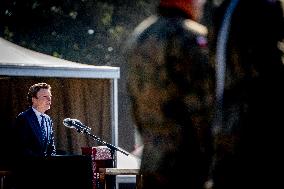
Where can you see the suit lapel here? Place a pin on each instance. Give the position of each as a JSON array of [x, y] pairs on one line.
[[35, 125]]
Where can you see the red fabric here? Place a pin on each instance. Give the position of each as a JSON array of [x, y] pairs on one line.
[[184, 5], [101, 158]]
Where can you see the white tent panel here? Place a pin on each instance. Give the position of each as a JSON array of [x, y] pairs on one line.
[[19, 61]]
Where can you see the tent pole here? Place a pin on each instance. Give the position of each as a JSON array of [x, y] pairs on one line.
[[114, 103]]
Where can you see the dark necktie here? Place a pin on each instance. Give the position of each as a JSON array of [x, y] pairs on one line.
[[42, 127]]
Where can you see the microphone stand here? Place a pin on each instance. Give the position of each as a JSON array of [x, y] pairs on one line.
[[86, 130]]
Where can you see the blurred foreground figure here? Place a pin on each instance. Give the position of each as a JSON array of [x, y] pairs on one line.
[[170, 83], [248, 138]]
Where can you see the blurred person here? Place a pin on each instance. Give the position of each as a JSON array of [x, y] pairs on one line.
[[247, 46], [33, 128], [171, 88]]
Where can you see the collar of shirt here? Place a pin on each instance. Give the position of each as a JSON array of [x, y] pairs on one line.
[[38, 114]]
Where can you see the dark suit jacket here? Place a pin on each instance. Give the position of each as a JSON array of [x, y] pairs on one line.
[[28, 137]]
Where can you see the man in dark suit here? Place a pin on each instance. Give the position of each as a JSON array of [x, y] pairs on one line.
[[33, 128], [170, 83]]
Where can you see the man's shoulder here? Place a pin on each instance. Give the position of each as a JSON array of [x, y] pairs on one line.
[[195, 27], [146, 23], [25, 113]]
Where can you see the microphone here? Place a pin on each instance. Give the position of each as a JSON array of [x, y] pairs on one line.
[[76, 124]]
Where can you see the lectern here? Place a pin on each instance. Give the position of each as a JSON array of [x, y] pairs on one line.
[[56, 172]]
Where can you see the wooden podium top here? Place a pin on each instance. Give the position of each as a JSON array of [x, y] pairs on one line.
[[119, 171]]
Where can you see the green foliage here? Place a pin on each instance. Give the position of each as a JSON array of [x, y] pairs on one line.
[[81, 31], [107, 14], [56, 54], [8, 34], [116, 32]]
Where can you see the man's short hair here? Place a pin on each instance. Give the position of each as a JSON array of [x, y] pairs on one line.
[[34, 90]]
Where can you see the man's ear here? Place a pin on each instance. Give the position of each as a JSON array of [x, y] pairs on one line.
[[33, 99]]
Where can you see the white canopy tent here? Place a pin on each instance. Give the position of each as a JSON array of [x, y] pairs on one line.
[[19, 61]]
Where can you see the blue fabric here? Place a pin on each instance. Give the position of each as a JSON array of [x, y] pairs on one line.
[[43, 127]]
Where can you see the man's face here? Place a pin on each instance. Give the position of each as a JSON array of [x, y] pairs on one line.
[[43, 101]]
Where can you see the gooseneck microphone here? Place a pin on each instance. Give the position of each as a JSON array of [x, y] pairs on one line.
[[76, 124], [81, 128]]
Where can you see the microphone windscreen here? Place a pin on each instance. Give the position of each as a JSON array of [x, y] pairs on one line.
[[67, 122], [75, 123]]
